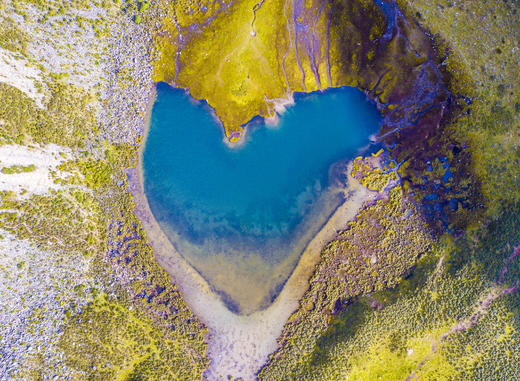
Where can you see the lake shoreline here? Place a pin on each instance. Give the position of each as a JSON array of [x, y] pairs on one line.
[[243, 217], [240, 344]]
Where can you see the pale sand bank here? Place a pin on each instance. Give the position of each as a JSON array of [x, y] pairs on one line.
[[240, 344]]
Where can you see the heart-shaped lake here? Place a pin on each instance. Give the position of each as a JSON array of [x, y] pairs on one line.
[[241, 216]]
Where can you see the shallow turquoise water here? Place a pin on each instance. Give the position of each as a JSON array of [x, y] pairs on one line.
[[212, 199]]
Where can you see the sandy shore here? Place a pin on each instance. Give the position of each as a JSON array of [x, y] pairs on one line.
[[240, 344]]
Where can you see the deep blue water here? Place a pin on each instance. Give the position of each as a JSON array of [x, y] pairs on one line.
[[210, 198]]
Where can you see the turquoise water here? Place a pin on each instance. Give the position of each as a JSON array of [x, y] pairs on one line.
[[266, 197]]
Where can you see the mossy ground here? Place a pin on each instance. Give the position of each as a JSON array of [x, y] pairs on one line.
[[242, 68], [128, 345], [483, 62], [95, 220], [129, 321], [457, 169], [394, 333], [360, 333]]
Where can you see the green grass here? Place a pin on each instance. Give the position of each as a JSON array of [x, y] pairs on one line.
[[238, 68], [12, 37], [13, 169], [109, 341], [66, 119], [484, 66], [149, 332], [371, 336]]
